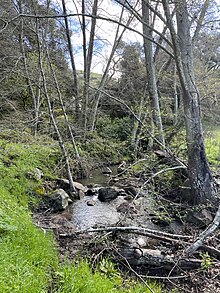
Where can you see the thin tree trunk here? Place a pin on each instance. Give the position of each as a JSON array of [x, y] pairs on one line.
[[151, 75], [176, 101], [201, 180], [74, 72], [35, 98], [137, 126], [88, 59], [200, 20], [63, 108], [50, 110], [117, 41]]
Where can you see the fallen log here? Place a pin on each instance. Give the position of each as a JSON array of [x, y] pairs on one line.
[[155, 257]]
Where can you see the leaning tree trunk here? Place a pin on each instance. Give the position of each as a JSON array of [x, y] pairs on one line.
[[50, 110], [201, 180]]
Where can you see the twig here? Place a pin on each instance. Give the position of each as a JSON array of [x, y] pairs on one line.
[[158, 173]]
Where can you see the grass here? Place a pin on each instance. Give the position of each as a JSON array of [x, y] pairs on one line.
[[80, 278], [212, 146], [28, 257]]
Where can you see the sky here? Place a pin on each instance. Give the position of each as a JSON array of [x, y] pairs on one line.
[[105, 31], [105, 34]]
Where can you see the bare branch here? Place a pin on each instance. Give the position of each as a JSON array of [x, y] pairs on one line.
[[97, 17]]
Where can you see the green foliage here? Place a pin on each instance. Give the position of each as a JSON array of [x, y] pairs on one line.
[[117, 129], [102, 149], [79, 277], [212, 147], [178, 144]]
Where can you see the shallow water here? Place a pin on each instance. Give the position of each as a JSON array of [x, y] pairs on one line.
[[97, 177], [104, 214]]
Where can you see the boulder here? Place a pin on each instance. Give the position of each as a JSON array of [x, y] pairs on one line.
[[60, 200], [80, 186], [91, 202], [35, 174], [65, 185], [92, 191], [107, 193], [200, 218]]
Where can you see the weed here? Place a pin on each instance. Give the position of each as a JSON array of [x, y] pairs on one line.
[[206, 261]]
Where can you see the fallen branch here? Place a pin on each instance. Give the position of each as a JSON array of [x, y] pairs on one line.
[[136, 230], [209, 230], [132, 270]]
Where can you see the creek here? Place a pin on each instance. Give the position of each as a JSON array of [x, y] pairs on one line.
[[119, 210], [97, 177]]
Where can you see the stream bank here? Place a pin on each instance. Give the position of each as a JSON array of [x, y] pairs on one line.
[[127, 227]]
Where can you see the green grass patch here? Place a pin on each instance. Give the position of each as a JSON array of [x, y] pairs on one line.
[[212, 147], [80, 278], [28, 256]]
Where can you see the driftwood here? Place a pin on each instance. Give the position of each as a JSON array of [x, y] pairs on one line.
[[156, 258]]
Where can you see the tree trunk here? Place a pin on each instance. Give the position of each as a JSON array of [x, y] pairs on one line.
[[35, 96], [88, 55], [51, 115], [151, 75], [70, 49], [63, 107], [201, 180], [117, 40]]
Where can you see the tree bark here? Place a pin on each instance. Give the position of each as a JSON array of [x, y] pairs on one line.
[[88, 55], [151, 75], [201, 180], [35, 95]]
